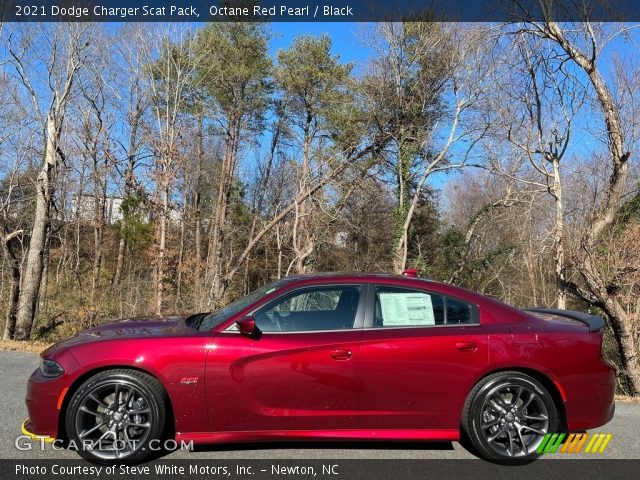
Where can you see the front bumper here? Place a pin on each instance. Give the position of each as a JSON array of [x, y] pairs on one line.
[[45, 399], [26, 425], [42, 400]]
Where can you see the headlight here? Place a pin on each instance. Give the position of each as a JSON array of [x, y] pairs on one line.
[[50, 368]]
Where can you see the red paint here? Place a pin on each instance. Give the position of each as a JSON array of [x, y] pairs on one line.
[[362, 383]]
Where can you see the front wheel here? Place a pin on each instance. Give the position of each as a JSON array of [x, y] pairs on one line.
[[114, 415], [507, 415]]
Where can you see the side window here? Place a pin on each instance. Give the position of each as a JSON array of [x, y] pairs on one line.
[[458, 312], [401, 307], [316, 308]]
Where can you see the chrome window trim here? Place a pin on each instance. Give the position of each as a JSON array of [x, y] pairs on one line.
[[451, 325], [342, 330]]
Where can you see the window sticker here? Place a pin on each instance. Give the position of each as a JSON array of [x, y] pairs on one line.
[[410, 308]]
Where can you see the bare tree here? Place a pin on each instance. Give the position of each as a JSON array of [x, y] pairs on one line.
[[534, 103], [95, 147], [233, 77], [583, 48], [350, 157], [169, 78], [313, 82], [66, 47], [133, 103], [9, 242]]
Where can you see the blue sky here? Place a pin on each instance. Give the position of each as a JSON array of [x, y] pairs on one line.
[[344, 37]]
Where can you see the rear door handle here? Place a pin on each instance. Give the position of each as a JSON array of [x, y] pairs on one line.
[[341, 354], [466, 346]]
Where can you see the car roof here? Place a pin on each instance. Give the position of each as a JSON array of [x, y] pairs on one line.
[[343, 277]]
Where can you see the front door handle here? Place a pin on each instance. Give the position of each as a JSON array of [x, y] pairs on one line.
[[341, 354], [466, 346]]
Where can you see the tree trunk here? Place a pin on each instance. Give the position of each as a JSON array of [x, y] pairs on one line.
[[128, 190], [400, 248], [622, 325], [76, 219], [280, 252], [9, 250], [32, 279], [129, 185], [60, 267], [407, 204], [162, 242], [43, 303], [178, 299], [100, 187], [198, 300], [122, 245], [303, 239], [219, 218], [558, 237]]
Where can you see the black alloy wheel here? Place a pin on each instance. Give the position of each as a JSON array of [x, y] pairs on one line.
[[507, 415], [114, 415]]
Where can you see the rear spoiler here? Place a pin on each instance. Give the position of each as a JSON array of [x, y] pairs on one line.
[[594, 322]]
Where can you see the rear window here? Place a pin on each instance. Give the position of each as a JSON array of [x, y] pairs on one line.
[[401, 307], [458, 312]]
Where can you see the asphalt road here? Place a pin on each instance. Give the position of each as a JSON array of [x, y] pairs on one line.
[[15, 367]]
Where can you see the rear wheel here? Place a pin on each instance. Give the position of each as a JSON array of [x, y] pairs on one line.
[[114, 415], [507, 415]]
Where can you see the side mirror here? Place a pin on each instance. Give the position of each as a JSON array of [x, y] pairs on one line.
[[247, 326]]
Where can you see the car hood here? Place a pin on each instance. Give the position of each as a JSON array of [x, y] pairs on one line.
[[128, 328], [139, 327]]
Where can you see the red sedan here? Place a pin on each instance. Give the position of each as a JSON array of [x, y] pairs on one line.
[[331, 356]]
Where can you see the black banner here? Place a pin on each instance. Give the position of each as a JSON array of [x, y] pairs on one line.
[[543, 469], [316, 11]]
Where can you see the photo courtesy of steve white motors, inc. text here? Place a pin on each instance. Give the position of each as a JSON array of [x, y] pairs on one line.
[[187, 12], [175, 470]]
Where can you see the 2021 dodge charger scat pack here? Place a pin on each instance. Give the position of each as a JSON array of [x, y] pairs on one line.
[[328, 356]]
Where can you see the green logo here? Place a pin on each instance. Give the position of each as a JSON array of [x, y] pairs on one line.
[[574, 442]]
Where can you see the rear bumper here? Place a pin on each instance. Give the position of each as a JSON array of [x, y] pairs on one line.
[[590, 403]]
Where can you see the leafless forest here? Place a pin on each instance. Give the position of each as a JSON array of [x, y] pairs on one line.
[[152, 169]]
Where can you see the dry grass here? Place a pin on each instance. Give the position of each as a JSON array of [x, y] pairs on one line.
[[627, 398], [28, 347]]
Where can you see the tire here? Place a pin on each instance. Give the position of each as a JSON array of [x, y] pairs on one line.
[[94, 420], [506, 416]]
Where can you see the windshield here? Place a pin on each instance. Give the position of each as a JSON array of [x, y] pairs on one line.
[[214, 319]]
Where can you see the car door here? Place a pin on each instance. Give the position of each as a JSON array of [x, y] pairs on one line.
[[299, 372], [420, 353]]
